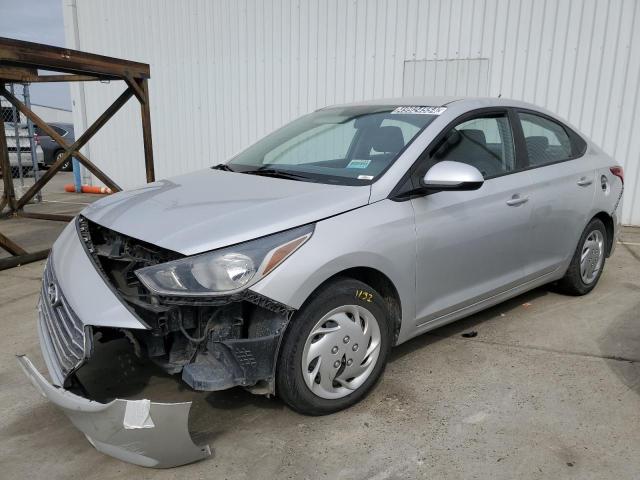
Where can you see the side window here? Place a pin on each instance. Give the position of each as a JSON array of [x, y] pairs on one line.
[[59, 131], [485, 142], [546, 141]]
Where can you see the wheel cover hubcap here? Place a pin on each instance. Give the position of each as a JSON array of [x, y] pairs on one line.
[[592, 256], [341, 351]]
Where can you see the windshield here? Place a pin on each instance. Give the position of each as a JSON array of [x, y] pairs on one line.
[[342, 145]]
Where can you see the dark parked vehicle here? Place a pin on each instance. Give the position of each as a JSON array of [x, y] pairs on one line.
[[52, 151]]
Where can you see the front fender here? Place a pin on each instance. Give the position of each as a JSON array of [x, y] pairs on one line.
[[379, 236]]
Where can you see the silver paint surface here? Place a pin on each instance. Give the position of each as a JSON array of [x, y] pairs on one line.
[[167, 444], [84, 288], [209, 209]]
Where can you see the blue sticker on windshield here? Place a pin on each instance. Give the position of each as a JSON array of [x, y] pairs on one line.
[[358, 163]]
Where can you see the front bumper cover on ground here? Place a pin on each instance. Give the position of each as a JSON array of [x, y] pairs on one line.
[[137, 431]]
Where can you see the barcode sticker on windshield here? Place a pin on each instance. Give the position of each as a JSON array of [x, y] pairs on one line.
[[420, 110]]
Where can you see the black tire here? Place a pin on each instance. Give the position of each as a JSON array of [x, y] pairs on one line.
[[290, 384], [66, 166], [572, 282]]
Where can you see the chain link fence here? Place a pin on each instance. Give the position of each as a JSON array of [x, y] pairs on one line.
[[25, 155]]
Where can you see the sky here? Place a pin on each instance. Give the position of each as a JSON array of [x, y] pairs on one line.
[[37, 21]]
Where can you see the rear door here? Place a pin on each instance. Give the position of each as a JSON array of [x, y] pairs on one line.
[[562, 190]]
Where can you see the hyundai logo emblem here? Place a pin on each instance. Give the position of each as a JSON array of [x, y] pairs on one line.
[[52, 293]]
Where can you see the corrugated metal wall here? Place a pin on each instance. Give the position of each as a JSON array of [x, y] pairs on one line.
[[224, 73]]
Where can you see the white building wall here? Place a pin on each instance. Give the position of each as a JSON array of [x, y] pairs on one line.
[[224, 73], [52, 114]]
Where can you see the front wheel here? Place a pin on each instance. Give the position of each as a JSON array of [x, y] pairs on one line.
[[588, 260], [335, 348]]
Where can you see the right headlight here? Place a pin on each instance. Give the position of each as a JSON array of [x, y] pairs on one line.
[[224, 271]]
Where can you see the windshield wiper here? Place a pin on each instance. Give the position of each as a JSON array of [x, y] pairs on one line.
[[223, 166], [272, 172]]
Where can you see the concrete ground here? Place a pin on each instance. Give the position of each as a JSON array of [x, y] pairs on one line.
[[549, 388]]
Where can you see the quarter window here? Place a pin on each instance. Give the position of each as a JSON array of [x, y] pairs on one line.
[[485, 142], [546, 141], [60, 131]]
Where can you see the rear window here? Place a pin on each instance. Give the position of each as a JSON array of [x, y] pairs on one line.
[[548, 141], [60, 131]]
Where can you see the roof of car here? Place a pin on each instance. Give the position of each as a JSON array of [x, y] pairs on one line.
[[429, 101], [435, 101], [470, 102]]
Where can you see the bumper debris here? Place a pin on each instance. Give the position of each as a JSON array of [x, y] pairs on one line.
[[137, 431]]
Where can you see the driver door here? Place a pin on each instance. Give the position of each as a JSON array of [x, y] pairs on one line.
[[471, 245]]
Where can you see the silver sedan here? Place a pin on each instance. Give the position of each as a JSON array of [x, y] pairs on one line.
[[296, 266]]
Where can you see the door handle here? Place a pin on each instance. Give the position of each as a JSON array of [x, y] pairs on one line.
[[517, 200], [585, 182]]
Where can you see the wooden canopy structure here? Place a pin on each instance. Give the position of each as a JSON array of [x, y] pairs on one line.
[[20, 62]]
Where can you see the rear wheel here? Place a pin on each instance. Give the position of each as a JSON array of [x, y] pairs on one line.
[[67, 166], [335, 348], [588, 260]]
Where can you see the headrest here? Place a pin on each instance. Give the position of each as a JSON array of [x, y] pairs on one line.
[[537, 142], [387, 139], [476, 136]]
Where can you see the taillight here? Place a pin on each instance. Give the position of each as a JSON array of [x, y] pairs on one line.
[[36, 138], [618, 172]]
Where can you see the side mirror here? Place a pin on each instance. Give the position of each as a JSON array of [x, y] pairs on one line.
[[447, 175]]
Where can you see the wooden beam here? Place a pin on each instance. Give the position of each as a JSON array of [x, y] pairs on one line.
[[146, 133], [10, 246], [17, 74], [136, 89], [11, 262], [70, 78], [47, 57], [57, 217], [70, 150], [8, 194]]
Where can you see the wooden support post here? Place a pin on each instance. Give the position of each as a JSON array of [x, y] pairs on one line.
[[22, 61], [137, 90], [146, 132], [71, 150], [9, 195], [10, 246]]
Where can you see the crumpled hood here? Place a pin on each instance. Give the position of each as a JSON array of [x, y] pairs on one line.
[[209, 209]]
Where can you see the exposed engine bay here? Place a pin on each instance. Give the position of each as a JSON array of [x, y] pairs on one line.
[[214, 342]]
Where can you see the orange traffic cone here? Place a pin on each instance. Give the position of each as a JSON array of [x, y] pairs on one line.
[[69, 187]]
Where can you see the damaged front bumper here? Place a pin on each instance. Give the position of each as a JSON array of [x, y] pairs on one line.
[[80, 308], [137, 431]]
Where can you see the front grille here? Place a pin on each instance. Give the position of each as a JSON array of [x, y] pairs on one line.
[[62, 331]]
